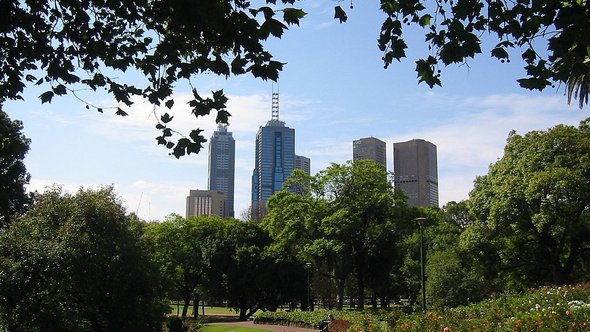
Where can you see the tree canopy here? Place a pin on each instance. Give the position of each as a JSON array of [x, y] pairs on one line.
[[551, 36], [343, 222], [76, 263], [68, 47], [532, 208], [13, 173]]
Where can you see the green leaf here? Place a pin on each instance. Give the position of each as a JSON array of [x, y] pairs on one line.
[[293, 15], [425, 20], [426, 72]]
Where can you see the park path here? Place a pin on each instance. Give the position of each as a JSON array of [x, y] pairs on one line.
[[274, 328]]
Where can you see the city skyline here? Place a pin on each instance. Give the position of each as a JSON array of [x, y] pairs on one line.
[[331, 93]]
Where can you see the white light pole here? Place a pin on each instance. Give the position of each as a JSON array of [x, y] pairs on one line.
[[308, 265]]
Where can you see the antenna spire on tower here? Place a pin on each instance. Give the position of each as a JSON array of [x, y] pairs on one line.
[[275, 103]]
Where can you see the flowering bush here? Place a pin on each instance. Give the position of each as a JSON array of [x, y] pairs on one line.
[[547, 309]]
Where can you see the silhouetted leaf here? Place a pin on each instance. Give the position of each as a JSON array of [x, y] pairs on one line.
[[121, 112], [340, 14], [169, 103], [46, 97], [292, 15], [166, 118]]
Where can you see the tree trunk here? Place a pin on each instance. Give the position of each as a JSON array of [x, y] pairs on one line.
[[340, 290], [374, 300], [186, 303], [196, 299], [243, 315], [360, 279], [384, 300]]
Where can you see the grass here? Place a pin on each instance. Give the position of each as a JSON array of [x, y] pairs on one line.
[[216, 311]]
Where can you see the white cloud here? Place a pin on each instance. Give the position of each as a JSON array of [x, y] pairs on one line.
[[473, 139]]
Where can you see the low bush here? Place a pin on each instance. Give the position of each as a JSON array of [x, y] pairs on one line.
[[546, 309]]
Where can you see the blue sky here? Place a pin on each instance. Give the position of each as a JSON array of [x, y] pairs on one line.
[[333, 90]]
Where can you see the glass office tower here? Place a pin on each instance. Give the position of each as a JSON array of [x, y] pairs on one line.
[[222, 151], [274, 160]]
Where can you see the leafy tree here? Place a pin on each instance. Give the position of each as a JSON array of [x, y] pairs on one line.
[[177, 246], [551, 36], [458, 213], [72, 46], [239, 271], [342, 222], [361, 202], [76, 263], [532, 208], [293, 223], [13, 174]]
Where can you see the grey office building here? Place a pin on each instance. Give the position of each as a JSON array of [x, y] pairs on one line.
[[222, 151], [369, 148], [303, 163], [415, 171]]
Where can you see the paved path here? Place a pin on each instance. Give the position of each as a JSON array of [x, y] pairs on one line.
[[275, 328]]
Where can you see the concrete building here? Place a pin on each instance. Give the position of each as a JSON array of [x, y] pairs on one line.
[[206, 203], [222, 168], [303, 163], [416, 172], [370, 148]]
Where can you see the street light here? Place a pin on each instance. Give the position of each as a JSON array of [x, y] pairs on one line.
[[308, 265], [421, 224]]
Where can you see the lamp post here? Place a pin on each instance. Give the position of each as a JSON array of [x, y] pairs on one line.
[[421, 224], [308, 266]]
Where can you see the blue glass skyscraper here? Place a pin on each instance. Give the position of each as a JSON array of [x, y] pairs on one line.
[[274, 160]]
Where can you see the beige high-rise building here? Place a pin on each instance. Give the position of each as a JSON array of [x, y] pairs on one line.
[[206, 203], [416, 172], [369, 148], [303, 163]]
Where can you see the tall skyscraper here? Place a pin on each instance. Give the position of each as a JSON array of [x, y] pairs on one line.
[[416, 172], [222, 152], [369, 148], [206, 203], [274, 159], [303, 163]]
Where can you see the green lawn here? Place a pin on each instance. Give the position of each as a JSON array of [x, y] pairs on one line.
[[221, 328], [208, 310]]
